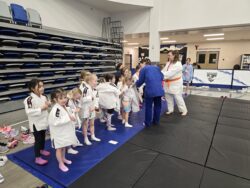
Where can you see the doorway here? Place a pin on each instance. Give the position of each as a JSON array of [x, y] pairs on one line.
[[208, 59]]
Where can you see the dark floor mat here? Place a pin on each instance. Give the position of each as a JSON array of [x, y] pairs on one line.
[[239, 123], [234, 132], [216, 179], [233, 105], [237, 109], [235, 114], [121, 169], [230, 151], [237, 101], [170, 172], [190, 142], [176, 117], [185, 121], [193, 105], [196, 111]]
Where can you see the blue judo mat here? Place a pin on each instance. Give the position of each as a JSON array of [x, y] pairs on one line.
[[87, 157]]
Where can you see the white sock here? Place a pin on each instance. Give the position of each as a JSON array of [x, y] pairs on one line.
[[110, 128], [95, 139], [87, 142], [128, 125]]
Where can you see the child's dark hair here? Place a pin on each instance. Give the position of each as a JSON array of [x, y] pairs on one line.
[[33, 83], [109, 77], [57, 93], [101, 80], [137, 67]]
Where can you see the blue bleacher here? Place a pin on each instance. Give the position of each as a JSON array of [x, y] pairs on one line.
[[70, 72], [29, 45], [14, 76], [78, 64], [19, 14], [46, 74], [68, 40], [45, 56], [3, 87], [58, 65], [78, 49], [8, 32], [18, 96], [57, 47], [42, 37], [69, 56], [30, 66], [60, 80], [12, 55]]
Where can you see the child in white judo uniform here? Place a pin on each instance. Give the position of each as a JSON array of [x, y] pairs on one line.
[[130, 100], [74, 102], [36, 108], [108, 99], [89, 103], [61, 121]]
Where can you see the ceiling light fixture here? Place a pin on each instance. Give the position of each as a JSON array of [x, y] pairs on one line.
[[134, 43], [221, 38], [169, 41], [165, 38], [214, 35]]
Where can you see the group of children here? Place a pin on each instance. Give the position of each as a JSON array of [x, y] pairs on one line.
[[78, 108]]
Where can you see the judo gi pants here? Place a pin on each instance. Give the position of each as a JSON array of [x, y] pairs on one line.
[[39, 141], [149, 111], [179, 102]]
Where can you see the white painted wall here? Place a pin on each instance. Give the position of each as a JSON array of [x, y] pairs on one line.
[[230, 52], [134, 21], [135, 55], [71, 15], [186, 14], [148, 3]]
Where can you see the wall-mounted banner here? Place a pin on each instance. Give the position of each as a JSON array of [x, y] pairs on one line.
[[212, 77], [241, 78]]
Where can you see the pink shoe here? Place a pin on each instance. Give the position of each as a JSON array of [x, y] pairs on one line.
[[45, 153], [67, 161], [40, 161], [28, 140], [63, 168]]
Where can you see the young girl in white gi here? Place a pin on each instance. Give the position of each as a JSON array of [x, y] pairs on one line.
[[36, 108], [74, 97], [136, 77], [130, 100], [84, 74], [61, 122], [108, 98], [89, 106], [125, 72], [173, 83]]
